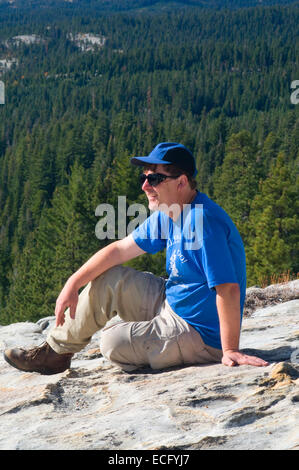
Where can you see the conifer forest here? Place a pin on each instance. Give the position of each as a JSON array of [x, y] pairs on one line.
[[90, 83]]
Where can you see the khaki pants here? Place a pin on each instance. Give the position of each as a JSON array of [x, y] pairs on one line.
[[150, 333]]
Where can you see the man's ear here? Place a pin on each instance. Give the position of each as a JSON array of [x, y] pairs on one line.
[[183, 181]]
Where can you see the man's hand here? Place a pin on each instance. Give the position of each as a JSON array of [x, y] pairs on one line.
[[235, 357], [68, 298]]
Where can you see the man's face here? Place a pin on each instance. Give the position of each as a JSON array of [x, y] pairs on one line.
[[163, 193]]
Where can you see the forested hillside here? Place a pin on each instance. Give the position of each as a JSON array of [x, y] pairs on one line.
[[85, 91], [127, 5]]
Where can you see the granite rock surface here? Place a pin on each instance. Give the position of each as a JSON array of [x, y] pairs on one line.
[[94, 405]]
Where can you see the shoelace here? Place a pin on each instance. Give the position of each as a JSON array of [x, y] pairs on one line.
[[34, 352]]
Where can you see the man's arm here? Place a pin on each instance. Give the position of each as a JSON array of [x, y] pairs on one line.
[[228, 307], [116, 253]]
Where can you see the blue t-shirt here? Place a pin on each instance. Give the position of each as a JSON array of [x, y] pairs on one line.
[[203, 249]]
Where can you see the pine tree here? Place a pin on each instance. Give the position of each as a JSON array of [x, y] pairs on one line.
[[274, 225], [62, 242], [236, 180], [74, 219]]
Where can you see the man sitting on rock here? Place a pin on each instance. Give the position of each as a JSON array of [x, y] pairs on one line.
[[193, 317]]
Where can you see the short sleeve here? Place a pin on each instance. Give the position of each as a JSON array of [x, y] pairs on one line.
[[149, 236], [216, 254]]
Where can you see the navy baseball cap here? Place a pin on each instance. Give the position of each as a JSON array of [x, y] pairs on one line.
[[167, 153]]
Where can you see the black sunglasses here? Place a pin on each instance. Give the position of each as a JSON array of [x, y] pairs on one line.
[[154, 178]]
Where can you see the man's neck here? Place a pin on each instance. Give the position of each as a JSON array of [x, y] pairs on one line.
[[188, 198], [178, 206]]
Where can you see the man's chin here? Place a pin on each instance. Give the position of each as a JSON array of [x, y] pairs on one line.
[[153, 204]]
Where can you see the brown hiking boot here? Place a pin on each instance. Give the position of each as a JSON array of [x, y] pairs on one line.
[[42, 359]]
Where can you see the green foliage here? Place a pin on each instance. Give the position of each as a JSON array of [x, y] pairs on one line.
[[274, 224], [236, 180], [59, 245]]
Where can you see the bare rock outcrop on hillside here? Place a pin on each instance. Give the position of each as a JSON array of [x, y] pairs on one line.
[[257, 297]]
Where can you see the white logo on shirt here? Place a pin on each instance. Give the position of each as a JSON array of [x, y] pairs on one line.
[[177, 254], [174, 270]]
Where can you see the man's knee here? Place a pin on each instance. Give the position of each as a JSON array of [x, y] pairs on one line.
[[111, 276]]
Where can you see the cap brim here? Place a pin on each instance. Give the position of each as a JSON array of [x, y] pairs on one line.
[[141, 161]]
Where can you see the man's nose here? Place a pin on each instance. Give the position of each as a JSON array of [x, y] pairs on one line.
[[146, 185]]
